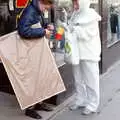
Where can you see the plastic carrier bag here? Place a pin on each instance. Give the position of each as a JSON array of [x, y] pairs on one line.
[[71, 55]]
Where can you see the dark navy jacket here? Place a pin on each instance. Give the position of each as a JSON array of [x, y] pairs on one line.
[[30, 16]]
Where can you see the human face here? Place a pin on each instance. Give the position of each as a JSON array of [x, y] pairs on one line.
[[75, 5], [47, 7], [44, 7]]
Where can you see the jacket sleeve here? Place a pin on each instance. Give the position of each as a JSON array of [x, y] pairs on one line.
[[88, 32], [24, 26]]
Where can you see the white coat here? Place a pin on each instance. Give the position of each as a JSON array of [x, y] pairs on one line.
[[84, 25]]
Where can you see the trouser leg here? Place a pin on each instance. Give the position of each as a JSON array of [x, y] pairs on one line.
[[90, 72], [80, 88]]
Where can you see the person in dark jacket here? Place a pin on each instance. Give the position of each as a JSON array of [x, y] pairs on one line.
[[114, 22], [32, 25], [32, 15]]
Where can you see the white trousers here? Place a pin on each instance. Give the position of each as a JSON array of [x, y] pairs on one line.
[[86, 76]]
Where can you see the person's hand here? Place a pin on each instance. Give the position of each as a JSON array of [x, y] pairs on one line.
[[65, 14], [48, 33], [50, 27]]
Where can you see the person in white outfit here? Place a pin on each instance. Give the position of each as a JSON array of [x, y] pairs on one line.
[[84, 24]]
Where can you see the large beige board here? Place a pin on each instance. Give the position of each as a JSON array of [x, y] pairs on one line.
[[31, 69]]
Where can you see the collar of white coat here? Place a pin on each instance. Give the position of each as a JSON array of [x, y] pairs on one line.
[[85, 14]]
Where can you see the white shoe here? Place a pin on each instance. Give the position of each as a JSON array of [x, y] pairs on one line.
[[86, 111], [75, 107]]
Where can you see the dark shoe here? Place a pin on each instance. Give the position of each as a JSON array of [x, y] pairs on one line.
[[32, 113], [43, 106]]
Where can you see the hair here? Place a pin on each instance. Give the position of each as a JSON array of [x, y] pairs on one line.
[[47, 2], [74, 0]]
